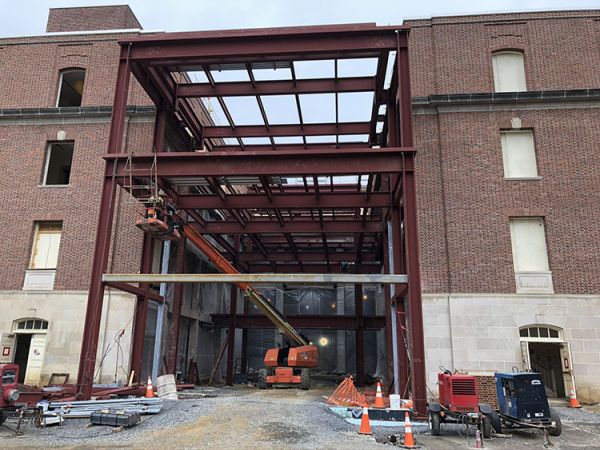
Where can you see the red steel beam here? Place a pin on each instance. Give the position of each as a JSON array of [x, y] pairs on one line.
[[285, 201], [206, 164], [359, 335], [135, 290], [348, 41], [306, 256], [331, 322], [317, 129], [332, 267], [276, 87], [295, 226], [93, 313], [289, 147], [176, 312]]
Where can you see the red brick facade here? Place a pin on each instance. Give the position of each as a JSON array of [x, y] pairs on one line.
[[464, 201], [118, 17]]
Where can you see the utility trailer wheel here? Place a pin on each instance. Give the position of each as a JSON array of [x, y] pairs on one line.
[[434, 424], [305, 376], [486, 427], [262, 379], [556, 429], [495, 421]]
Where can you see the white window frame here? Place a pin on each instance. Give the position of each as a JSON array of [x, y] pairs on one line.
[[505, 159], [531, 281], [496, 70], [60, 85], [40, 279], [47, 163]]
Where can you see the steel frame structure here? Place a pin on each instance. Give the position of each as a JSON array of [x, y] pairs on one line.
[[289, 204]]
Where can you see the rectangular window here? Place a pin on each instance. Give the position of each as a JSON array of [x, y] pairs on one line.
[[530, 257], [509, 71], [70, 87], [59, 157], [518, 154], [45, 246]]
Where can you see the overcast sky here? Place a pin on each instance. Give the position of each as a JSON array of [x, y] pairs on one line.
[[28, 17]]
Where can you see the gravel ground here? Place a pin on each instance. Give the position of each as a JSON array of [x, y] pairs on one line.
[[245, 417]]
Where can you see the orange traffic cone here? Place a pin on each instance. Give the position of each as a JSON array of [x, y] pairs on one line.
[[573, 402], [409, 440], [149, 389], [365, 425], [379, 397]]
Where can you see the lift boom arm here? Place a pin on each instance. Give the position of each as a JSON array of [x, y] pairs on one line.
[[247, 289]]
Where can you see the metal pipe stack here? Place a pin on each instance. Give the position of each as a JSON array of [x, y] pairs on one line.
[[84, 409]]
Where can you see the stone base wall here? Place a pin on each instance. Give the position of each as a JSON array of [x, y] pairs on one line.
[[65, 313], [480, 332]]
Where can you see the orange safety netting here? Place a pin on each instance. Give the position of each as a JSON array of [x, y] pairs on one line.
[[346, 394]]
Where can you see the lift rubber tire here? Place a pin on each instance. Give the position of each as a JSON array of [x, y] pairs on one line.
[[305, 383], [262, 379], [486, 427], [557, 429], [3, 417], [495, 421], [434, 424]]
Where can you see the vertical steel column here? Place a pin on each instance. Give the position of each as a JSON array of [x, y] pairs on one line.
[[415, 307], [93, 314], [160, 125], [176, 309], [232, 312], [360, 335], [160, 315], [139, 323], [388, 320], [244, 355], [397, 299]]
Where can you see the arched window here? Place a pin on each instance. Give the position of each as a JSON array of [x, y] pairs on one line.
[[542, 332], [70, 87], [509, 71], [30, 326]]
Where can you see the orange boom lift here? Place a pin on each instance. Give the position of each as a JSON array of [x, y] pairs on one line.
[[284, 366]]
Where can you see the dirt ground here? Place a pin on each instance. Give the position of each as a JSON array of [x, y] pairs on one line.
[[279, 418]]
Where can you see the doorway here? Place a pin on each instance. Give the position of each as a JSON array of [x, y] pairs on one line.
[[545, 359], [544, 351], [22, 354]]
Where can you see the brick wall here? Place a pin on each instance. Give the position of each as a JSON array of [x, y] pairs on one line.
[[452, 55], [464, 202], [119, 17], [486, 385], [31, 74]]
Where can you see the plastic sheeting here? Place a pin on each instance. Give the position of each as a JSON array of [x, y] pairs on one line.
[[337, 348]]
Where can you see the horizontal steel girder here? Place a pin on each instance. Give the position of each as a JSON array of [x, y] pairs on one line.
[[334, 267], [321, 256], [286, 201], [292, 226], [349, 41], [276, 87], [310, 162], [319, 129], [329, 322], [255, 278]]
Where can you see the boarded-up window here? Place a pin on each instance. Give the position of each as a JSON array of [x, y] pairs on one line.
[[529, 244], [509, 72], [518, 154], [46, 245]]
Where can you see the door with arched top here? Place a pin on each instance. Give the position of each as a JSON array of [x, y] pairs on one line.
[[30, 349], [544, 350]]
